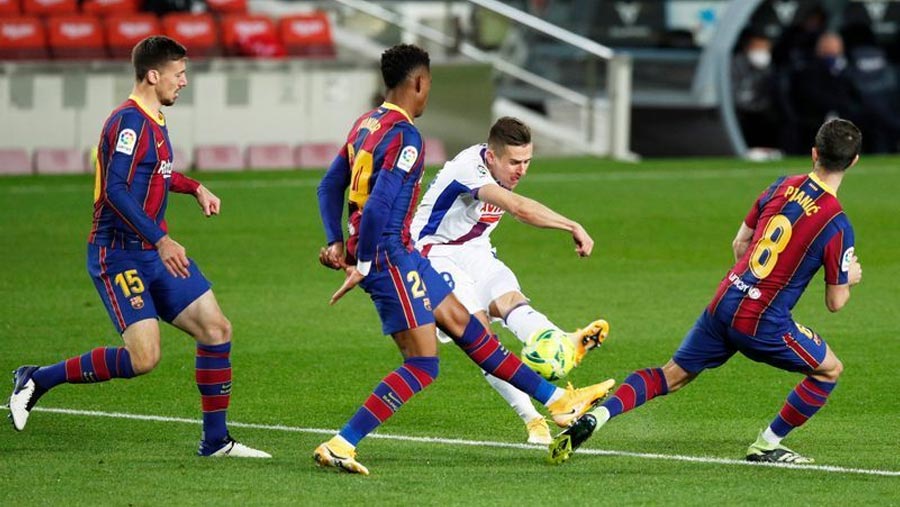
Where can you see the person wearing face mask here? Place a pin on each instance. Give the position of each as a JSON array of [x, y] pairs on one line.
[[452, 228], [824, 90], [751, 79]]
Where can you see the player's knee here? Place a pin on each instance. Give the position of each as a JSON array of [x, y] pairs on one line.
[[218, 332], [833, 373], [145, 360]]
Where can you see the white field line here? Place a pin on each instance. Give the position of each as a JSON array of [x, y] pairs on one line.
[[481, 443], [536, 177]]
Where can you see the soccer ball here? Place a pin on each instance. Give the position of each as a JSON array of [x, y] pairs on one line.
[[550, 353]]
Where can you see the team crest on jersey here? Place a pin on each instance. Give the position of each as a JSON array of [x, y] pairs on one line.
[[847, 259], [137, 302], [407, 159], [126, 142]]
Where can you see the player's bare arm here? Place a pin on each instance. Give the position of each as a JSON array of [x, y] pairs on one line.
[[352, 280], [741, 241], [836, 296], [173, 256], [208, 201], [534, 213]]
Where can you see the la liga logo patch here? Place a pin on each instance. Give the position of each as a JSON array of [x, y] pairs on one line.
[[407, 158], [126, 142]]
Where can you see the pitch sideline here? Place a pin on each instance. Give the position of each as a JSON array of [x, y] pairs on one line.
[[480, 443]]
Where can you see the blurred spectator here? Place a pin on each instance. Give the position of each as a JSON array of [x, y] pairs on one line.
[[797, 43], [876, 84], [751, 81], [823, 90]]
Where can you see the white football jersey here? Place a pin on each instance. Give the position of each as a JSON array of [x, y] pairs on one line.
[[450, 212]]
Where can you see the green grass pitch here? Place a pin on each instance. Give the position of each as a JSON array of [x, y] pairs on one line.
[[663, 231]]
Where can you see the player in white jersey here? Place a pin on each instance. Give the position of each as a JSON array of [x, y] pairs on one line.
[[452, 227]]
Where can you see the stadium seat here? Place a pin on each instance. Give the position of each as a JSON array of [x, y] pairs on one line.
[[227, 6], [59, 161], [14, 161], [181, 159], [435, 153], [269, 156], [75, 37], [50, 7], [250, 35], [196, 31], [123, 32], [315, 155], [9, 8], [110, 7], [218, 158], [22, 38], [307, 35]]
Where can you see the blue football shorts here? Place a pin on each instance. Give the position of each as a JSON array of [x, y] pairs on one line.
[[710, 343], [405, 291], [135, 285]]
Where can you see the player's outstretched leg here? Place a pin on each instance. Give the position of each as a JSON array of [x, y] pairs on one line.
[[564, 405], [804, 401], [639, 388], [31, 382], [389, 395], [524, 321]]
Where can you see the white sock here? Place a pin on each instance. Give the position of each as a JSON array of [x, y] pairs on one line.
[[519, 401], [524, 321], [555, 396], [602, 415], [770, 437]]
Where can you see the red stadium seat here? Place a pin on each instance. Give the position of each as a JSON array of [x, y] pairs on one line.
[[9, 8], [197, 32], [227, 6], [76, 37], [270, 156], [14, 161], [123, 32], [22, 39], [110, 7], [435, 153], [307, 35], [59, 161], [50, 7], [218, 158], [250, 35], [315, 155]]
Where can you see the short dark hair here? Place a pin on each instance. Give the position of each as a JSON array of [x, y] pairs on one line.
[[837, 143], [153, 52], [398, 62], [508, 131]]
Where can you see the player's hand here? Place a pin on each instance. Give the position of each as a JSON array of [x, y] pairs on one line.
[[854, 275], [332, 256], [173, 256], [583, 242], [209, 203], [352, 280]]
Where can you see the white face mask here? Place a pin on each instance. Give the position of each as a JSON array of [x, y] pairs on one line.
[[759, 58]]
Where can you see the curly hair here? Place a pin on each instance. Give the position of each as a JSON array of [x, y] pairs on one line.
[[398, 62]]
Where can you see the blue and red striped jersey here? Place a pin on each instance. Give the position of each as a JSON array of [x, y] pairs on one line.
[[382, 163], [133, 178], [799, 226]]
